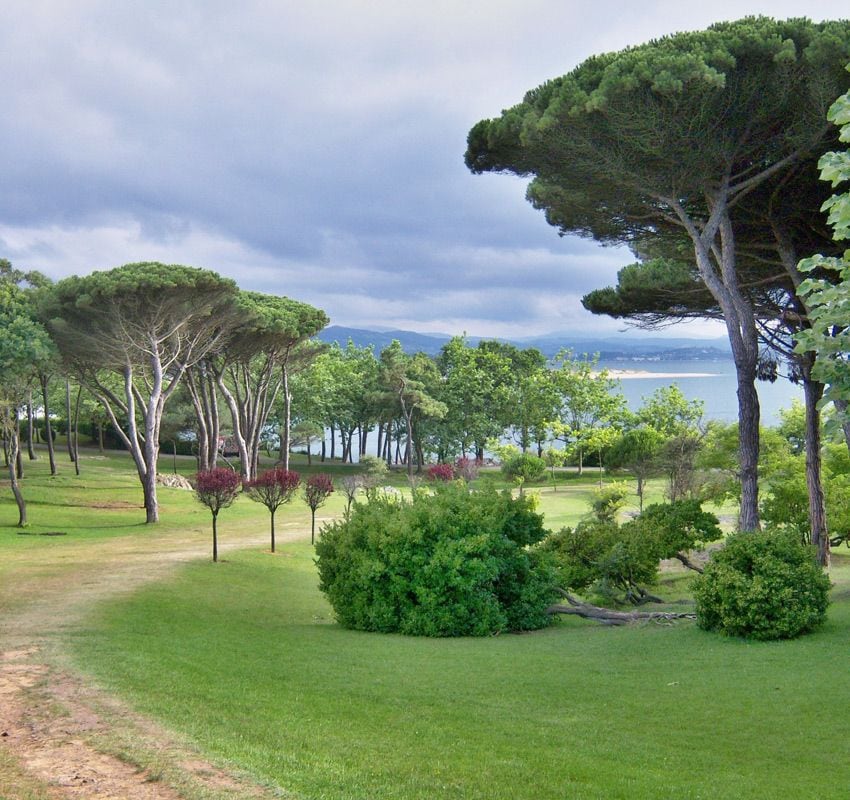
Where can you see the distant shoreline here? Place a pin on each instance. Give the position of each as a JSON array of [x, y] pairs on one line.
[[630, 374]]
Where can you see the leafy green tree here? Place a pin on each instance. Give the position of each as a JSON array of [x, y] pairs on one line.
[[588, 400], [24, 345], [405, 381], [470, 377], [639, 451], [673, 136], [145, 324], [524, 468], [679, 421], [826, 291], [339, 390]]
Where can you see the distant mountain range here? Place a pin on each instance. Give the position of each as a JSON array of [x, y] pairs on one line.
[[625, 347]]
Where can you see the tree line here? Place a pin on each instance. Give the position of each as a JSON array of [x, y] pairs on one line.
[[133, 337]]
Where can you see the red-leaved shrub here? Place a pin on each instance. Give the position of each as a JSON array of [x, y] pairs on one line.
[[216, 489], [440, 472], [273, 488]]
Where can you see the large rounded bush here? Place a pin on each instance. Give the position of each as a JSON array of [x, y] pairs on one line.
[[451, 563], [762, 586]]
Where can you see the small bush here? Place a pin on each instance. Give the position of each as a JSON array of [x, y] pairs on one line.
[[374, 469], [453, 563], [440, 472], [608, 501], [762, 586], [524, 468]]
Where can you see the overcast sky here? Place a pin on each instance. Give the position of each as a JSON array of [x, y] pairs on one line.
[[312, 149]]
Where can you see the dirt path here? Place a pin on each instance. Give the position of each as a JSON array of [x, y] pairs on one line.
[[61, 738]]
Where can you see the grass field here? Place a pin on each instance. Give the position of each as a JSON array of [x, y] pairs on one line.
[[244, 658]]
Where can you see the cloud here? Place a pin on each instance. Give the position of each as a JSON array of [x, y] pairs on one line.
[[313, 149]]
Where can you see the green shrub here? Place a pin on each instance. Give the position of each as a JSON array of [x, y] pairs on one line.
[[762, 586], [452, 563], [524, 468], [608, 501], [679, 526], [619, 561]]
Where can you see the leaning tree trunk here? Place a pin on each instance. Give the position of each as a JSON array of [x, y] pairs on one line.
[[11, 447], [286, 428], [69, 445], [51, 454], [717, 267], [76, 451], [30, 426]]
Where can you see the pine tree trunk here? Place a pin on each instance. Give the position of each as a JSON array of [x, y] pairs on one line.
[[748, 448], [19, 461], [69, 446], [51, 454], [813, 392], [30, 425], [11, 447]]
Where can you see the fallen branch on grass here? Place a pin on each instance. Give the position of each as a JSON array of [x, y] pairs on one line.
[[608, 616]]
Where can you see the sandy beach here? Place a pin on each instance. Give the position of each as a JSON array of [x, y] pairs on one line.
[[630, 374]]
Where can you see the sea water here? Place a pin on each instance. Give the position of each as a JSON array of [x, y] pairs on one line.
[[715, 386]]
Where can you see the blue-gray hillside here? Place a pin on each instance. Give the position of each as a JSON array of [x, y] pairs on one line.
[[625, 347]]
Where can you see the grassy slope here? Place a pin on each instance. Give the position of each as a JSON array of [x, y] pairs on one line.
[[245, 658]]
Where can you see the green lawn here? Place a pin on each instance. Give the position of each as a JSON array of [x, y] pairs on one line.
[[245, 658]]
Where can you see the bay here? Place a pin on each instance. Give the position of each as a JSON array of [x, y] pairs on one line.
[[713, 382]]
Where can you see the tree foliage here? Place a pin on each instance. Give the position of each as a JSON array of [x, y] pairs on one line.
[[826, 291], [144, 324]]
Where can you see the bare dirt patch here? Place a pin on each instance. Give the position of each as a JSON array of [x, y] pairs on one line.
[[68, 738]]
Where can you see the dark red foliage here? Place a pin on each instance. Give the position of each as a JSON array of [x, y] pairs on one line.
[[440, 472], [317, 489], [274, 487], [217, 488]]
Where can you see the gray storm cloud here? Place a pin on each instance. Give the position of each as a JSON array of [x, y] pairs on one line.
[[307, 149]]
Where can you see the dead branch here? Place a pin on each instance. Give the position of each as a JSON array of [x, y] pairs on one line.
[[607, 616]]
